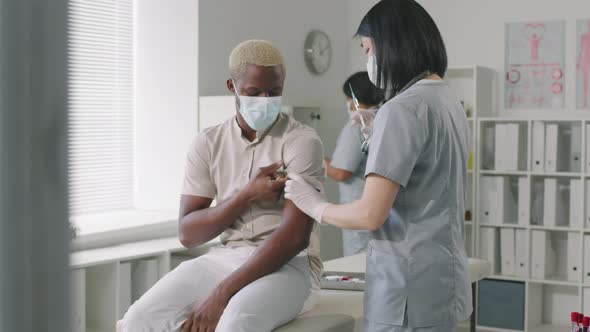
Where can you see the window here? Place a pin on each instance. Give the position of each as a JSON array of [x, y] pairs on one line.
[[101, 105]]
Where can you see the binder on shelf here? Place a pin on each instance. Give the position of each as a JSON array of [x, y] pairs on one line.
[[588, 148], [586, 300], [487, 148], [522, 253], [537, 202], [576, 207], [555, 204], [538, 147], [587, 204], [542, 255], [513, 144], [487, 197], [551, 140], [587, 260], [507, 251], [524, 199], [573, 257], [550, 203], [488, 247], [575, 160], [500, 148], [505, 202]]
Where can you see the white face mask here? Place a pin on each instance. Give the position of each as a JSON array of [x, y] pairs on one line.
[[349, 107], [372, 70], [259, 112]]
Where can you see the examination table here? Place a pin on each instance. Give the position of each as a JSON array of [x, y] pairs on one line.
[[342, 310]]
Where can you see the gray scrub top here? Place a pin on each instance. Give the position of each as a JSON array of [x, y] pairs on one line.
[[417, 261], [348, 156]]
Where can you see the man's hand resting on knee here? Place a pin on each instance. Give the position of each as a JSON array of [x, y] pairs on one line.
[[205, 316]]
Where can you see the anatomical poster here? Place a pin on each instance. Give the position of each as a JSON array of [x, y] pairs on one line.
[[583, 64], [535, 65]]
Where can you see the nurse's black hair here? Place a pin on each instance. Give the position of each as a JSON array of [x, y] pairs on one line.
[[407, 42], [365, 91]]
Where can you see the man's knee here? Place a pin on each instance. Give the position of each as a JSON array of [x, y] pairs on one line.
[[238, 317]]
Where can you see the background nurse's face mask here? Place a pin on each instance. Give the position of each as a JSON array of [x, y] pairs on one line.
[[259, 112]]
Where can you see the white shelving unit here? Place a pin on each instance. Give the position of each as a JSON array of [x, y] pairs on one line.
[[106, 281], [533, 219], [471, 85]]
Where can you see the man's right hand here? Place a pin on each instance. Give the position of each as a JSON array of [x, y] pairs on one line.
[[267, 185]]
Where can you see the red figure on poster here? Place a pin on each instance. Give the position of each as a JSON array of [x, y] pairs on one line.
[[534, 34]]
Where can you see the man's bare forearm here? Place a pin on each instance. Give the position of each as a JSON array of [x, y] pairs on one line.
[[201, 226], [281, 247]]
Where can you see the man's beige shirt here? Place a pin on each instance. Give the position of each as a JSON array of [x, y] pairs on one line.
[[221, 162]]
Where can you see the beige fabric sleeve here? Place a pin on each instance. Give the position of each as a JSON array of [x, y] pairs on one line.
[[304, 154], [197, 179]]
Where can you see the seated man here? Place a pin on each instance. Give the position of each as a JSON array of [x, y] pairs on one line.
[[267, 271]]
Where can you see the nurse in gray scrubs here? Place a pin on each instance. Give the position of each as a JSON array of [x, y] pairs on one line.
[[417, 274], [347, 165]]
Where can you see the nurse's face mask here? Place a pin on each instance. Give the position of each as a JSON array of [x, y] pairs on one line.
[[372, 70], [259, 112]]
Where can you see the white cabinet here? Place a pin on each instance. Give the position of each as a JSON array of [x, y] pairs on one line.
[[545, 243], [214, 110]]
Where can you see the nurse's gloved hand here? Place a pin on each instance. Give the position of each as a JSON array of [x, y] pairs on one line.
[[308, 199]]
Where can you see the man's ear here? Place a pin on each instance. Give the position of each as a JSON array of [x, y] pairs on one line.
[[230, 86]]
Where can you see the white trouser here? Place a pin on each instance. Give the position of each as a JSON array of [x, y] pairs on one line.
[[261, 306]]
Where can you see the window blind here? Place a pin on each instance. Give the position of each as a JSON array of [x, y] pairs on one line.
[[101, 105]]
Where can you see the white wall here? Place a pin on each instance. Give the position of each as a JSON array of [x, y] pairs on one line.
[[474, 32], [167, 96], [357, 9]]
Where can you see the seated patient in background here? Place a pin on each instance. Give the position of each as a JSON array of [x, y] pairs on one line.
[[267, 271]]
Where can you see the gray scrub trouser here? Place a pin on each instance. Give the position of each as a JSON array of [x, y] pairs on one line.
[[376, 327]]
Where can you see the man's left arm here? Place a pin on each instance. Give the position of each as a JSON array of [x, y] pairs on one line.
[[305, 155]]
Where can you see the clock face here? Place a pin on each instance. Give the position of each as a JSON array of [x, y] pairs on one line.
[[318, 52]]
